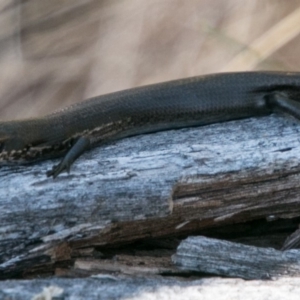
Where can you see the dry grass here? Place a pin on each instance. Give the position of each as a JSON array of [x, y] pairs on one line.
[[54, 53]]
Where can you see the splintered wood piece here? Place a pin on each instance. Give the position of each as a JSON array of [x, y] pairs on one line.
[[229, 259]]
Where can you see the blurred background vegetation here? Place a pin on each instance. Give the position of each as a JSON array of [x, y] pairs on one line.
[[58, 52]]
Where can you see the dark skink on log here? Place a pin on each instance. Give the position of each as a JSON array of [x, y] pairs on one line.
[[175, 104]]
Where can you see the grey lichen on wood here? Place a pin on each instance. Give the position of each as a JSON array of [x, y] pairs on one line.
[[153, 185]]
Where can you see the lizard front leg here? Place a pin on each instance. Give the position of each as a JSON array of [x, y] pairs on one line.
[[81, 145]]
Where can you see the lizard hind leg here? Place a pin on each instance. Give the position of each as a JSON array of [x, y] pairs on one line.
[[284, 102], [80, 146]]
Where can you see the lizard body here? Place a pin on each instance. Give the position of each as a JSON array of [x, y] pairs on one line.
[[175, 104]]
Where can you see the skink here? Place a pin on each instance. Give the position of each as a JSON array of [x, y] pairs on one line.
[[180, 103]]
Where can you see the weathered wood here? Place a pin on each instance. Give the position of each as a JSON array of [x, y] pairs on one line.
[[118, 287], [156, 185], [292, 241], [235, 260]]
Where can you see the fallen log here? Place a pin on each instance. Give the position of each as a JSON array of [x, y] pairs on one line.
[[158, 185]]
